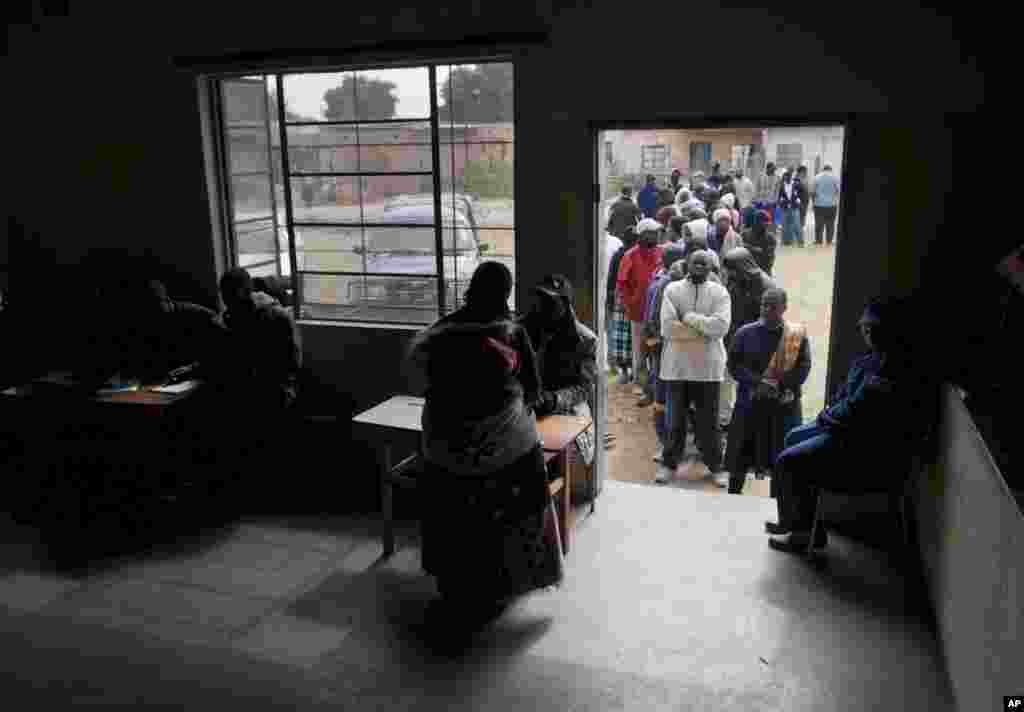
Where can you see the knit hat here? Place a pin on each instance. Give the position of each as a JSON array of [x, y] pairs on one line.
[[648, 225]]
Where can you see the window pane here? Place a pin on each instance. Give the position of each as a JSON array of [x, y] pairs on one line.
[[334, 93], [324, 149], [370, 298], [247, 149], [256, 238], [497, 244], [393, 94], [381, 192], [251, 194], [325, 199], [395, 147], [245, 102], [401, 250], [475, 94], [268, 270], [331, 249]]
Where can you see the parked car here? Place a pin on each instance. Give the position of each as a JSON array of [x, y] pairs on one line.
[[406, 250]]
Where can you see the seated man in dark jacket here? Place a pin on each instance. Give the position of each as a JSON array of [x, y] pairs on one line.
[[882, 412], [566, 356], [261, 357], [152, 335]]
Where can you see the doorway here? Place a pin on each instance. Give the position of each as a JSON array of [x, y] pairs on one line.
[[806, 273]]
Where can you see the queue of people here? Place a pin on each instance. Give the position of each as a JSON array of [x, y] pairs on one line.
[[693, 300]]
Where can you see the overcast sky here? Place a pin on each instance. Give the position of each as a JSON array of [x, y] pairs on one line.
[[305, 92]]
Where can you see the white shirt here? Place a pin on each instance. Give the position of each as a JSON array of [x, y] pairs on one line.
[[744, 191], [612, 245], [694, 320]]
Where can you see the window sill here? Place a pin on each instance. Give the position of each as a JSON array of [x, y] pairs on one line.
[[376, 325]]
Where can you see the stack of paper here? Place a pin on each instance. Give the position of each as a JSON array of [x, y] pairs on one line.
[[182, 387]]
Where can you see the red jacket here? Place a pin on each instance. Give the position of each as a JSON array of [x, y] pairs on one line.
[[635, 273]]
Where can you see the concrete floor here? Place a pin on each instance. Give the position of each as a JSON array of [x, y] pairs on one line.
[[672, 601]]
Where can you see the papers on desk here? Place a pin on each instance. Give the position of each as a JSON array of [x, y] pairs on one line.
[[116, 384], [183, 387]]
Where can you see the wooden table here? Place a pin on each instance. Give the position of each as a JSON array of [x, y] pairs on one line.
[[125, 428], [404, 413]]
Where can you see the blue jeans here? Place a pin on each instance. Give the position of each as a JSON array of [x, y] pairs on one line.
[[791, 226]]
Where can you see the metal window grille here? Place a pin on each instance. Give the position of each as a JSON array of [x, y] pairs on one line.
[[366, 198]]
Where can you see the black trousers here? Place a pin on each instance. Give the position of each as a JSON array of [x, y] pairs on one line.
[[704, 397], [824, 220]]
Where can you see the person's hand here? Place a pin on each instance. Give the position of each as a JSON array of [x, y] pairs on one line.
[[546, 403]]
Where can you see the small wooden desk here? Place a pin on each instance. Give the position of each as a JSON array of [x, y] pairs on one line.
[[404, 413]]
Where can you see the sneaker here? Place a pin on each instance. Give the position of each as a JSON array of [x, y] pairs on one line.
[[721, 479], [644, 402], [662, 475]]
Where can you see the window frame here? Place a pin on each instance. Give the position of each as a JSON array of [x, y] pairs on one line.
[[646, 165], [445, 283]]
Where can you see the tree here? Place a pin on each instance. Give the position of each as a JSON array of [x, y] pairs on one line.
[[376, 100], [478, 94]]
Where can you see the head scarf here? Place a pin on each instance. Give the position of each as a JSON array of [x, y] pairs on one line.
[[729, 200], [488, 292], [740, 260], [722, 213], [698, 228]]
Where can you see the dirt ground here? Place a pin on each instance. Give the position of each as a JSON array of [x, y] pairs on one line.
[[807, 276]]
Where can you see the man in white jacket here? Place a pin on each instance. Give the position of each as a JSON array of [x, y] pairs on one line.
[[695, 316]]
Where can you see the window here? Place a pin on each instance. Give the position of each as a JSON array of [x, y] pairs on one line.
[[654, 158], [400, 182], [700, 157], [789, 155]]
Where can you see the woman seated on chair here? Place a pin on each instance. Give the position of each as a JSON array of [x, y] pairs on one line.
[[488, 530], [876, 418]]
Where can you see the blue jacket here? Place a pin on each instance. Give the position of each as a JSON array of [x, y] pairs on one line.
[[647, 199], [751, 352], [884, 402]]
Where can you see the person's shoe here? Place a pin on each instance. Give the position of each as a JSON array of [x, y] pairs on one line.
[[721, 479], [644, 402], [623, 378], [662, 475], [775, 528], [659, 454], [638, 391]]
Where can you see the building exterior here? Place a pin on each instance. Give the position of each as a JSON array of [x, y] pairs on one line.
[[635, 153], [628, 156], [811, 146]]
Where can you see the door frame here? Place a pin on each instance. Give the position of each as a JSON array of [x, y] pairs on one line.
[[593, 229]]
